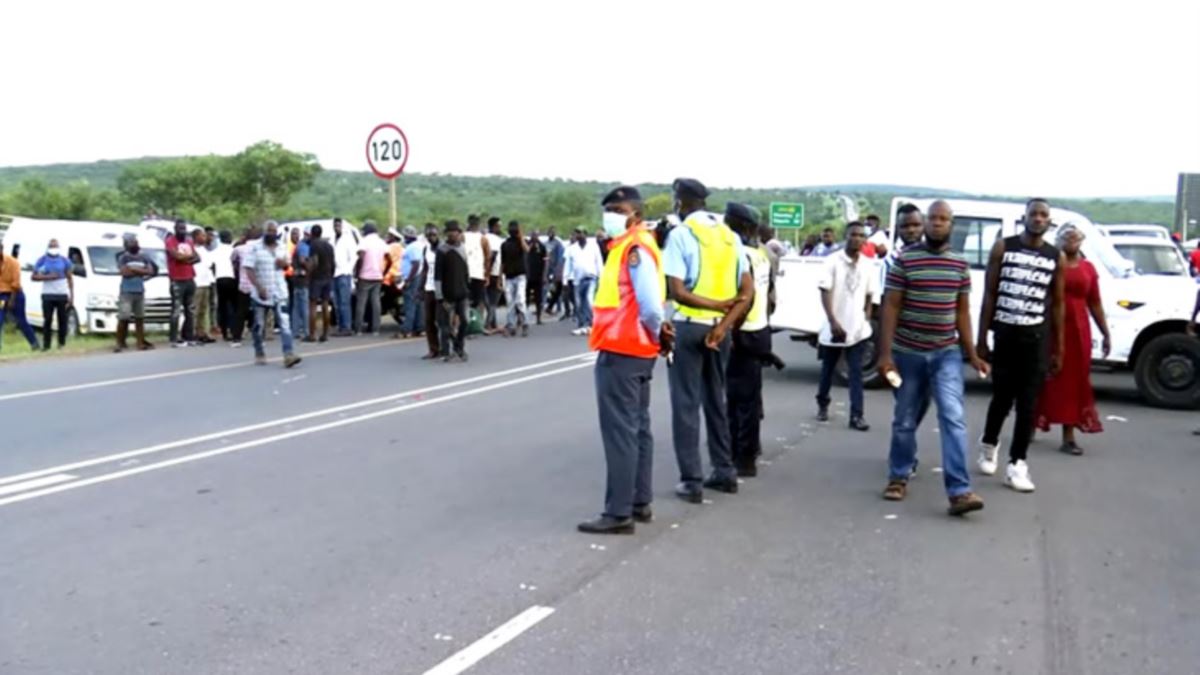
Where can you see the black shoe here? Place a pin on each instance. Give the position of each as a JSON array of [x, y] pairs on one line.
[[823, 414], [689, 493], [607, 525], [858, 424], [747, 469], [462, 356], [727, 485], [643, 514]]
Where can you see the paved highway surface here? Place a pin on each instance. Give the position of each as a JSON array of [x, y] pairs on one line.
[[368, 512]]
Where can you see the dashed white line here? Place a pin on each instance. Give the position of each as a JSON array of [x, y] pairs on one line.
[[481, 648]]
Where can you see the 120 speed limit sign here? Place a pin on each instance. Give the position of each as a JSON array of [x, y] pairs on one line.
[[387, 151]]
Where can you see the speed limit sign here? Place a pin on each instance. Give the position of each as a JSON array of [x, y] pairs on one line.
[[387, 151]]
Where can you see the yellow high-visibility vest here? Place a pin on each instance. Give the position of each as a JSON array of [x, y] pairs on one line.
[[760, 269], [717, 279]]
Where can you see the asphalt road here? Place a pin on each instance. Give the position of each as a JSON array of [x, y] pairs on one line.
[[185, 512]]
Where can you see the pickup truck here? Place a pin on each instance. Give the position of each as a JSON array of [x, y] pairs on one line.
[[1147, 315]]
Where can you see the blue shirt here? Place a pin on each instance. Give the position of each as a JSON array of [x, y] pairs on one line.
[[414, 254], [60, 267], [681, 258], [643, 274]]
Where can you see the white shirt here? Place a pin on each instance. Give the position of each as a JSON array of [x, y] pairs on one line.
[[430, 259], [204, 268], [473, 245], [495, 241], [584, 261], [852, 283], [345, 255], [223, 259], [880, 238]]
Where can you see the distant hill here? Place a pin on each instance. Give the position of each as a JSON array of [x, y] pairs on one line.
[[539, 202]]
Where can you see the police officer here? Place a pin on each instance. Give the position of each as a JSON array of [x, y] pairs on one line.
[[751, 347], [629, 331], [711, 289]]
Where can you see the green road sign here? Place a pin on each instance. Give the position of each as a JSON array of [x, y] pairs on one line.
[[785, 215]]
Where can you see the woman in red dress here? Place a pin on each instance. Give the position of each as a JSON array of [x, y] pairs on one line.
[[1067, 398]]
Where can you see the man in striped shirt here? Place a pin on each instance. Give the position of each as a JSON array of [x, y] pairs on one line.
[[926, 331]]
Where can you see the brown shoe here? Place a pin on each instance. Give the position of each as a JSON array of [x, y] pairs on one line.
[[895, 491], [964, 504]]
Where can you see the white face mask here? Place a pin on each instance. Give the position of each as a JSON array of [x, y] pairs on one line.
[[614, 223], [54, 251]]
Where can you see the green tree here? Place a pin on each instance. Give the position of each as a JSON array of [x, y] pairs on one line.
[[265, 175], [569, 207]]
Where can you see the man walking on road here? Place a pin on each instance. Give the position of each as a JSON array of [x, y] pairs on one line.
[[495, 282], [452, 289], [263, 267], [322, 256], [206, 277], [227, 287], [584, 263], [429, 290], [373, 259], [629, 333], [512, 264], [479, 254], [535, 275], [924, 335], [751, 347], [12, 299], [848, 287], [345, 258], [181, 260], [1023, 308], [555, 260], [301, 265], [706, 277], [135, 268]]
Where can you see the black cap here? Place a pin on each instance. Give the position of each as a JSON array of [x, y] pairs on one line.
[[453, 226], [690, 188], [624, 193], [741, 212]]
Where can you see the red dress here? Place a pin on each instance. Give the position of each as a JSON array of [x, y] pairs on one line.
[[1068, 398]]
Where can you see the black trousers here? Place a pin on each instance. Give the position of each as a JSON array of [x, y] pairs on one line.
[[242, 316], [623, 401], [431, 323], [227, 305], [448, 311], [536, 291], [743, 394], [54, 306], [1018, 371]]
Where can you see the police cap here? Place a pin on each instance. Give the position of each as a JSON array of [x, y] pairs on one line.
[[690, 188], [624, 193], [742, 213]]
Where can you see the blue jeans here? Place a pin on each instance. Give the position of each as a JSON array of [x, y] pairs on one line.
[[300, 311], [583, 302], [413, 316], [829, 360], [281, 322], [936, 374], [342, 288], [14, 304]]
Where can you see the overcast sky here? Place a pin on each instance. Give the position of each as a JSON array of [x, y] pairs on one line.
[[1046, 97]]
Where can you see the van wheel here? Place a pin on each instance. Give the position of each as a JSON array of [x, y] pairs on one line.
[[1168, 372], [870, 372]]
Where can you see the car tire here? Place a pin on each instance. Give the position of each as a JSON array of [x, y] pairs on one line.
[[1167, 372], [871, 378]]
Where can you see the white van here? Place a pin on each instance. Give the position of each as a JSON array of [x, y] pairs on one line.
[[1147, 314], [93, 249], [1132, 230]]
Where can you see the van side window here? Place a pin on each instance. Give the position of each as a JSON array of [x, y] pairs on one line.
[[76, 258], [974, 238]]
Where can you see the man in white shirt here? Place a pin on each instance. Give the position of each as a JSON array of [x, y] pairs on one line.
[[584, 262], [345, 257], [877, 239], [478, 253], [227, 289], [495, 285], [849, 286], [205, 278]]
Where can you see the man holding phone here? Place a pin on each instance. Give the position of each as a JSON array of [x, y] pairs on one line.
[[849, 287]]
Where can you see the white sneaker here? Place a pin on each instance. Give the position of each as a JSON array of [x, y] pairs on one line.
[[577, 331], [587, 331], [988, 455], [1016, 476]]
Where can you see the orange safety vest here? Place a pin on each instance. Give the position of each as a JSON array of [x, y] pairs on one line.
[[616, 326]]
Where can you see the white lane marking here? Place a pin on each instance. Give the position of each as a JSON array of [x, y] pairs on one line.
[[36, 483], [481, 648], [82, 464], [180, 373], [104, 478]]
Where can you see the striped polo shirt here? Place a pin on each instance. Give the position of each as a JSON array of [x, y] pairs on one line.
[[931, 282]]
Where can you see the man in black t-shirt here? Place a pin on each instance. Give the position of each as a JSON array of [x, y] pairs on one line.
[[536, 261], [512, 263], [451, 288], [320, 282]]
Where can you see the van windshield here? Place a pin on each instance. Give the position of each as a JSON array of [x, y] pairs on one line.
[[104, 259], [1150, 259]]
